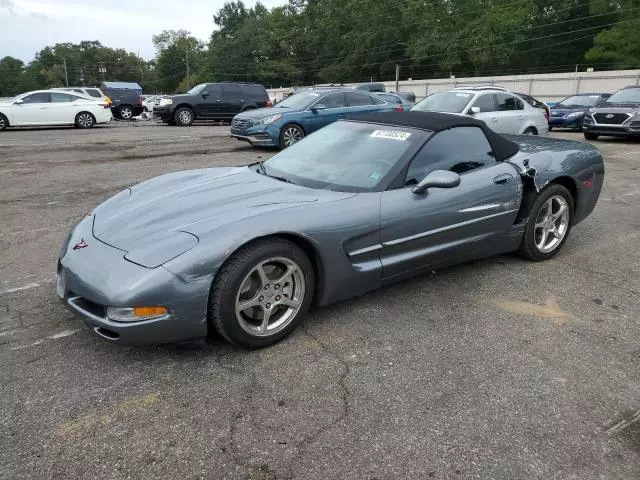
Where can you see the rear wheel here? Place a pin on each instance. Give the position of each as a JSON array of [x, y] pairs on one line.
[[261, 293], [549, 223], [85, 120], [4, 122], [183, 117], [125, 112], [590, 136], [290, 135], [530, 131]]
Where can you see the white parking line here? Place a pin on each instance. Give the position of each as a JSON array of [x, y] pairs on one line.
[[25, 287], [63, 334]]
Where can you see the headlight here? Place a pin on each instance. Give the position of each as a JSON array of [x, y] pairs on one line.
[[135, 314], [271, 119], [575, 115], [166, 101]]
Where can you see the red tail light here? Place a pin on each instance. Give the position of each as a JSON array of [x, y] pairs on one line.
[[399, 108], [268, 104], [139, 100], [106, 105]]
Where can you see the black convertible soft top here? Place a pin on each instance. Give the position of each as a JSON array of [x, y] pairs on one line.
[[436, 122]]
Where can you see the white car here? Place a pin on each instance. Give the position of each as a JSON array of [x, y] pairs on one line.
[[501, 110], [148, 103], [51, 107]]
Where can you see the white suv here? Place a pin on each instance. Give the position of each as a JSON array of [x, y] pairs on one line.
[[501, 110]]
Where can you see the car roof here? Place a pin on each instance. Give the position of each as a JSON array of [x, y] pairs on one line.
[[436, 122], [586, 94], [630, 86]]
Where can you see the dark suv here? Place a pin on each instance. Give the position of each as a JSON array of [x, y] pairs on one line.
[[210, 101], [617, 116]]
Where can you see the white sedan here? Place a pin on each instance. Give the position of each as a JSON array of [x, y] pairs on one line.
[[47, 107]]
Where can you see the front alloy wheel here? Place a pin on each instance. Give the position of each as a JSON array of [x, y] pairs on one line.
[[291, 134], [549, 223], [84, 120], [261, 293], [3, 122]]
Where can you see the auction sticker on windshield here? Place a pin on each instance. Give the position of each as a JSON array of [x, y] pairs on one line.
[[392, 134]]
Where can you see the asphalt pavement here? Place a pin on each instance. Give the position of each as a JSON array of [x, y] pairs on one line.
[[498, 369]]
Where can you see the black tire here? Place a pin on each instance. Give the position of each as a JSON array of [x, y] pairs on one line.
[[4, 122], [145, 109], [590, 136], [550, 128], [528, 248], [530, 131], [183, 117], [125, 112], [85, 120], [290, 130], [233, 275]]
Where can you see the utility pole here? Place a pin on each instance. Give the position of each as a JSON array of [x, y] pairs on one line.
[[140, 65], [187, 60], [102, 69], [82, 76], [397, 77], [66, 77]]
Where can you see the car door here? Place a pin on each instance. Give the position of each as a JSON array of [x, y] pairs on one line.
[[444, 226], [510, 117], [209, 103], [325, 110], [32, 109], [486, 103], [232, 100], [62, 108], [359, 102]]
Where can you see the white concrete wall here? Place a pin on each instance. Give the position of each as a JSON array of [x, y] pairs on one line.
[[547, 87]]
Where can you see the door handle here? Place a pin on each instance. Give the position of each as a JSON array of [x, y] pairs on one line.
[[217, 99], [520, 117], [43, 108], [503, 179], [494, 119]]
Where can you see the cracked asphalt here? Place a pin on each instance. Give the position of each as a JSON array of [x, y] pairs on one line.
[[498, 369]]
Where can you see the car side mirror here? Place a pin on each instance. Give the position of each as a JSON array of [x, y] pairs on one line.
[[437, 179], [19, 101], [317, 107], [205, 94], [474, 110]]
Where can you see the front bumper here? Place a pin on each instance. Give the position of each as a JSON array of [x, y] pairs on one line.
[[565, 122], [267, 135], [96, 276], [163, 113], [628, 129]]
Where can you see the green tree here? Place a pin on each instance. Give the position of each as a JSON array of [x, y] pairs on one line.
[[11, 76], [174, 49]]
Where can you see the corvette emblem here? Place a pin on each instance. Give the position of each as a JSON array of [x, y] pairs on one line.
[[609, 115], [80, 244]]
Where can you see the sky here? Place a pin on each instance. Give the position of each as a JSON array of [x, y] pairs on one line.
[[27, 26]]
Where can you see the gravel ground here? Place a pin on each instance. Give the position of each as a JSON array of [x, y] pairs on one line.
[[499, 369]]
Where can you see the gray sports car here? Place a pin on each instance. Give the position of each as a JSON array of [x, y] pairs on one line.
[[245, 251]]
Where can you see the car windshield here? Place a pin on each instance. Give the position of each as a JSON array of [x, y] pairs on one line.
[[197, 89], [450, 102], [579, 101], [299, 100], [628, 95], [344, 156]]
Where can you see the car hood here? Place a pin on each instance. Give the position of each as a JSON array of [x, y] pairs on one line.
[[166, 216], [557, 111], [257, 113]]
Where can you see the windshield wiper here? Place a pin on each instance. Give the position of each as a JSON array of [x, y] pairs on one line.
[[263, 171]]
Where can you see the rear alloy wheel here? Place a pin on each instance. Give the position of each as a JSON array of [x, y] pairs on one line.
[[290, 135], [85, 120], [590, 136], [530, 131], [4, 123], [549, 223], [125, 112], [183, 117], [261, 293]]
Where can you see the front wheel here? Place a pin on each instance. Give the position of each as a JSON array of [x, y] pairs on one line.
[[4, 123], [290, 135], [549, 223], [183, 117], [590, 136], [530, 131], [261, 293], [85, 120]]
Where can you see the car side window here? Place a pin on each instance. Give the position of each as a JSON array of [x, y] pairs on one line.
[[214, 91], [519, 104], [459, 149], [333, 100], [356, 99], [232, 91], [94, 92], [40, 97], [57, 97], [505, 102], [486, 103]]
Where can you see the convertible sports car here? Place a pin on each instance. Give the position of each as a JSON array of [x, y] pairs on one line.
[[363, 202]]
